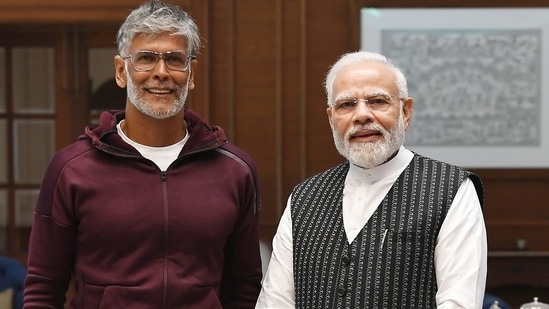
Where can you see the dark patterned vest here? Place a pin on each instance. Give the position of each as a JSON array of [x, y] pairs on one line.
[[390, 264]]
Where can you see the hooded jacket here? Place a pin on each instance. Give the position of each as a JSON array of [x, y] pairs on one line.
[[135, 237]]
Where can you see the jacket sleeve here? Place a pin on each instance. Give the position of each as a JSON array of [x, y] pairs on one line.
[[242, 274], [51, 244]]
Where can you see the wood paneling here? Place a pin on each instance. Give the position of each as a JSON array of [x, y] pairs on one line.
[[516, 212]]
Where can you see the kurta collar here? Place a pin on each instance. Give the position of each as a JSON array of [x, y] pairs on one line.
[[389, 169]]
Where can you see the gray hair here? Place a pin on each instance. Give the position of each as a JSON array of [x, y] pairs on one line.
[[155, 17], [363, 57]]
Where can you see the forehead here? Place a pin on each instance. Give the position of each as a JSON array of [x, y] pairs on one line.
[[162, 42], [365, 78]]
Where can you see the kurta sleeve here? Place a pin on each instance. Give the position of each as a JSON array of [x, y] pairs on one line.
[[278, 285]]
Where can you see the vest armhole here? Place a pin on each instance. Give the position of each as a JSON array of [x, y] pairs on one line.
[[479, 187]]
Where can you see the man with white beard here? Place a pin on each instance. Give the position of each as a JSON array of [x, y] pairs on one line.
[[154, 207], [387, 228]]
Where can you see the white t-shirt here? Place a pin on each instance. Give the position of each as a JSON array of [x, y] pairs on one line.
[[161, 156]]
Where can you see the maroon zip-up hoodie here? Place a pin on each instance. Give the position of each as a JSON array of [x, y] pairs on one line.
[[137, 237]]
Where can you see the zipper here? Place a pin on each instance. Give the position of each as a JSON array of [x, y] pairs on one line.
[[164, 177]]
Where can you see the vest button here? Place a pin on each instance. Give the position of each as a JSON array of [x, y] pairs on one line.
[[341, 292], [345, 260]]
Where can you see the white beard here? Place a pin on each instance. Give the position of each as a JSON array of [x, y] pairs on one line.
[[135, 95], [371, 154]]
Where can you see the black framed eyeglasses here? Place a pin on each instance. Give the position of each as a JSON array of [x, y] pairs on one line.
[[146, 60]]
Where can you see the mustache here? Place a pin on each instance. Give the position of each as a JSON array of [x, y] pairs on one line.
[[366, 127]]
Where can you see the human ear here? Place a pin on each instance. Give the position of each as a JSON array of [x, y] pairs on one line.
[[329, 114], [120, 71], [192, 69], [407, 111]]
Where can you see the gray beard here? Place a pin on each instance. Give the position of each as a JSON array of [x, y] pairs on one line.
[[135, 95], [369, 155]]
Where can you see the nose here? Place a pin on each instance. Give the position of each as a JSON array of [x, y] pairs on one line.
[[161, 70], [362, 113]]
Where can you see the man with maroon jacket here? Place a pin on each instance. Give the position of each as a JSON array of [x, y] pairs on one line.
[[153, 208]]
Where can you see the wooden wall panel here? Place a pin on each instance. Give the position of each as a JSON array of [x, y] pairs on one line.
[[516, 212], [257, 81], [293, 99], [327, 38], [244, 70]]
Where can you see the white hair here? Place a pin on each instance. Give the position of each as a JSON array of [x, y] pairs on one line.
[[363, 57]]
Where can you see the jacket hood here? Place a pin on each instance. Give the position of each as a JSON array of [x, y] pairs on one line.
[[202, 136]]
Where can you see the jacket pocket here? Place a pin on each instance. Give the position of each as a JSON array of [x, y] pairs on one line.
[[116, 296]]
